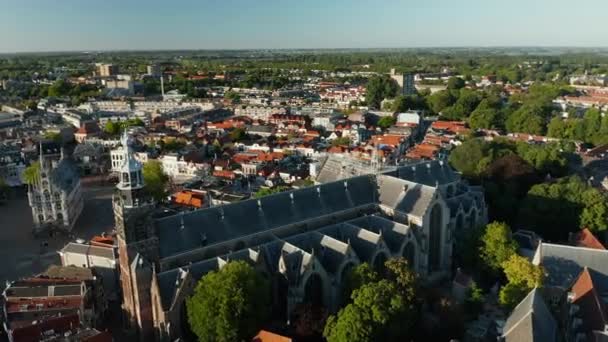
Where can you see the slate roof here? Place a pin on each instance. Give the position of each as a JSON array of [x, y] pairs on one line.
[[405, 196], [65, 175], [531, 320], [563, 264], [184, 232], [431, 173]]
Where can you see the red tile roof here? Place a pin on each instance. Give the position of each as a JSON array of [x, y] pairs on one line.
[[267, 336], [224, 174], [585, 238], [455, 127], [591, 306], [189, 198]]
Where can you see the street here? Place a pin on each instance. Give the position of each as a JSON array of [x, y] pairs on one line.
[[22, 254]]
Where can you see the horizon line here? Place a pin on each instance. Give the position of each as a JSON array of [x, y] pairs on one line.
[[480, 47]]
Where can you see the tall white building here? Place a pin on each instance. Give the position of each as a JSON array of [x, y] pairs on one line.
[[55, 197]]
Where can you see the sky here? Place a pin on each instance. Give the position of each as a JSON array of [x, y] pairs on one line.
[[87, 25]]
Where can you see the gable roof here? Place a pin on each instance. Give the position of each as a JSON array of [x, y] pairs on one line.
[[531, 320], [585, 238], [198, 228], [563, 264], [591, 306]]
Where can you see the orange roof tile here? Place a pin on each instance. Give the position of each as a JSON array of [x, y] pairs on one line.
[[189, 198], [591, 305], [585, 238], [267, 336]]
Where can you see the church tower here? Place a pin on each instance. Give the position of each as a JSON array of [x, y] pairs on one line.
[[137, 243]]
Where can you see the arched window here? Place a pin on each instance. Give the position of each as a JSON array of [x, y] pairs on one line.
[[313, 290], [409, 253], [378, 262], [435, 228]]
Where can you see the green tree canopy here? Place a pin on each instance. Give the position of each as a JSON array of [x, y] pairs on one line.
[[230, 304], [386, 122], [31, 173], [373, 315], [263, 192], [111, 128], [358, 276], [456, 83], [555, 209], [467, 101], [497, 245], [486, 115], [155, 179], [527, 119], [440, 101], [378, 88], [522, 277]]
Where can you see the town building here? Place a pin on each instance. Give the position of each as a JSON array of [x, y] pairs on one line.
[[12, 165], [106, 70], [306, 240], [55, 197], [34, 301], [405, 82]]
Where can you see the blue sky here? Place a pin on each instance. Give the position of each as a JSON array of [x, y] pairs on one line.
[[59, 25]]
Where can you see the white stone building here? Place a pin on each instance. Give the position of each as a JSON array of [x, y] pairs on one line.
[[55, 197]]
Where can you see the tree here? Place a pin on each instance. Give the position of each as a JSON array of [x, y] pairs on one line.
[[263, 192], [233, 96], [527, 119], [497, 245], [386, 122], [464, 106], [473, 156], [358, 276], [374, 315], [522, 277], [485, 116], [506, 182], [238, 134], [31, 173], [403, 103], [111, 128], [155, 179], [440, 101], [456, 83], [378, 88], [474, 301], [230, 304], [399, 271], [554, 210], [53, 136]]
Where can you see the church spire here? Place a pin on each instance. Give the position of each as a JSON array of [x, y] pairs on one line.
[[131, 179]]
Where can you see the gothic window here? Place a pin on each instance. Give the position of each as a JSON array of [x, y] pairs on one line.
[[40, 218], [409, 253], [47, 195], [435, 238], [313, 290]]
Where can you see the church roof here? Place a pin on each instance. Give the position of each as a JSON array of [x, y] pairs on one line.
[[405, 196], [531, 320], [181, 233], [563, 264], [431, 173]]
